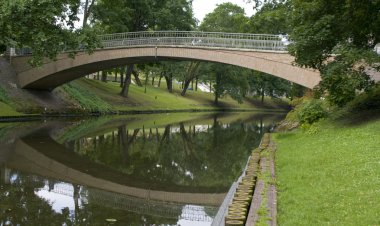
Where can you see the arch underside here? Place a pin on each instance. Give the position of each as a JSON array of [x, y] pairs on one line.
[[55, 73]]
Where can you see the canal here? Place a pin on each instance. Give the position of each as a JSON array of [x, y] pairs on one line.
[[156, 169]]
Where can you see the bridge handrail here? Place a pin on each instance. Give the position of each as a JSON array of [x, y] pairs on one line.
[[198, 39]]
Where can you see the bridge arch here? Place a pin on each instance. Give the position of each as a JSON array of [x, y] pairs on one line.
[[264, 53]]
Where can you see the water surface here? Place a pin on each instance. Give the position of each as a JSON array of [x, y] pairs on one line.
[[168, 169]]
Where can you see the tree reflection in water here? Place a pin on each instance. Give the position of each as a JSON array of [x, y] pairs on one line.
[[178, 154], [176, 157]]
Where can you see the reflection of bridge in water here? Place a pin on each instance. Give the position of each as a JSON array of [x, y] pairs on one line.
[[137, 205], [26, 157]]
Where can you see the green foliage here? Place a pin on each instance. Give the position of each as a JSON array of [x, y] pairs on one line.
[[311, 111], [264, 84], [347, 29], [52, 31], [87, 100], [320, 26], [369, 101], [4, 96], [226, 17], [343, 77], [271, 18], [130, 15]]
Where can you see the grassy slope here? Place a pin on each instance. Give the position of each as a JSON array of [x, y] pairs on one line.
[[330, 176], [158, 98], [92, 95], [6, 110]]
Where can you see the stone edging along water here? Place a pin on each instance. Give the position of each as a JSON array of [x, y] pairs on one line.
[[253, 193]]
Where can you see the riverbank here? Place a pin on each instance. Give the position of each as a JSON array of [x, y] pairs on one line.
[[93, 97], [328, 173]]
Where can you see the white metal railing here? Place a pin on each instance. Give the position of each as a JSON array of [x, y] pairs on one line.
[[187, 39]]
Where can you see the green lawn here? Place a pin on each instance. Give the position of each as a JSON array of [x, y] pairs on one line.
[[7, 110], [159, 99], [330, 176], [87, 95]]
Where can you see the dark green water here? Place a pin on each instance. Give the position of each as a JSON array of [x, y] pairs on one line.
[[169, 169]]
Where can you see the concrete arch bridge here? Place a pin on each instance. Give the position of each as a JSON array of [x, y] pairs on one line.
[[266, 53]]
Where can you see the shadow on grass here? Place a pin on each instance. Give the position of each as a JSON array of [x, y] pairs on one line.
[[349, 118]]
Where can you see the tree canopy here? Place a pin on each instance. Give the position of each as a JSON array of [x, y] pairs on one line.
[[337, 38], [226, 17], [44, 26]]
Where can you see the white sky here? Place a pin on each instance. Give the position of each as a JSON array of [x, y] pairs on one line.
[[202, 7]]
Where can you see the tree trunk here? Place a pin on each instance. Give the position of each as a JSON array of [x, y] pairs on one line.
[[216, 100], [121, 76], [153, 81], [97, 76], [159, 80], [196, 83], [169, 82], [186, 86], [87, 11], [104, 76], [192, 84], [137, 79], [217, 88], [262, 95], [127, 81], [190, 76], [146, 82]]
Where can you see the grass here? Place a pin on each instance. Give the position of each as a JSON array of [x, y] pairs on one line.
[[7, 110], [87, 95], [158, 98], [87, 100], [330, 176]]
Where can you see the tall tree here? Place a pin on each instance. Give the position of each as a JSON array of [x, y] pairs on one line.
[[132, 15], [44, 26], [192, 68], [87, 9], [226, 17], [349, 30]]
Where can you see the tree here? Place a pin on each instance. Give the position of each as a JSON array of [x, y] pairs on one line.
[[192, 68], [226, 17], [271, 18], [46, 27], [130, 15], [347, 29], [262, 84], [87, 10]]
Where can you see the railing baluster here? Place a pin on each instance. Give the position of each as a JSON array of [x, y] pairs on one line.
[[189, 38]]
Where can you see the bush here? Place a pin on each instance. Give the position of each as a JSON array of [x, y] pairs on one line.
[[366, 101], [311, 111]]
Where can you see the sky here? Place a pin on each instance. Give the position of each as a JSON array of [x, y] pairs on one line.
[[202, 7]]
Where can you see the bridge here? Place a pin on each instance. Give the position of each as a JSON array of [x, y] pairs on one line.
[[265, 53]]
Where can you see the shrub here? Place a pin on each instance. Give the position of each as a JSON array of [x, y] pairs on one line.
[[311, 111], [366, 101]]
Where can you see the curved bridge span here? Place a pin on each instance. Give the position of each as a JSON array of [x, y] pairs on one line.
[[266, 53], [27, 157]]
